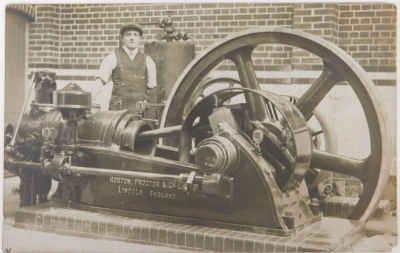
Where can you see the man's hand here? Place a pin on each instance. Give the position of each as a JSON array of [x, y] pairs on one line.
[[97, 86]]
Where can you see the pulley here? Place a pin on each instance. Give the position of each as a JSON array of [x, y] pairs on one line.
[[216, 155]]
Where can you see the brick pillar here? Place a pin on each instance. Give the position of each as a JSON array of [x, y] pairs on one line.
[[44, 38], [320, 19]]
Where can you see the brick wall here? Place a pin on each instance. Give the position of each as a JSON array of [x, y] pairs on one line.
[[79, 36], [89, 32], [368, 33]]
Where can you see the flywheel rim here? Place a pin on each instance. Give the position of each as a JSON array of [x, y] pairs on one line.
[[374, 170]]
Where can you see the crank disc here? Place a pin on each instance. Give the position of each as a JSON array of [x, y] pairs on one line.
[[373, 171]]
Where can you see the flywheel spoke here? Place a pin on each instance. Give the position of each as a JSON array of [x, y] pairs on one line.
[[314, 95], [248, 79], [242, 60], [339, 164]]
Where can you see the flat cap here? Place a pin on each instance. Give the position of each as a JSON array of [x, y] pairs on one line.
[[131, 26]]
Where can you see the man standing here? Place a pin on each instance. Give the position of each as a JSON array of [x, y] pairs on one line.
[[132, 72]]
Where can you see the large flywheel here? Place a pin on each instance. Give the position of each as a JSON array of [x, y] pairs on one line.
[[373, 171]]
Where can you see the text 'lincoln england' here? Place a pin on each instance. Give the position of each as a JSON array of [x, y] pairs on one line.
[[144, 183]]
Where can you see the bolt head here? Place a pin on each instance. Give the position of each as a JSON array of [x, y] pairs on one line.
[[289, 213]]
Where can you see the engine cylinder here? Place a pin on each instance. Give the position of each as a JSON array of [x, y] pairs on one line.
[[129, 142], [117, 128]]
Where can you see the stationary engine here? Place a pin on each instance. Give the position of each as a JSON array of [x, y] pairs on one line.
[[239, 166]]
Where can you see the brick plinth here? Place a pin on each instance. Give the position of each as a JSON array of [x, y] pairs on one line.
[[329, 234]]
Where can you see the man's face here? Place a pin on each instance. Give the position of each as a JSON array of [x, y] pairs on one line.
[[131, 38]]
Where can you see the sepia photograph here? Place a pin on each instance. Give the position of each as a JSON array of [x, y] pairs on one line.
[[200, 127]]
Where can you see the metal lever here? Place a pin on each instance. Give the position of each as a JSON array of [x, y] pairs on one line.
[[23, 108], [190, 186]]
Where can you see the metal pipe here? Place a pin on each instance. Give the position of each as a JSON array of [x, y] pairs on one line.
[[168, 131], [10, 163], [120, 173], [23, 109], [156, 104], [159, 133], [71, 169], [194, 47], [96, 171], [33, 188]]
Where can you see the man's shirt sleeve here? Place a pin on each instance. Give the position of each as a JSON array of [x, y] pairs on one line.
[[107, 66]]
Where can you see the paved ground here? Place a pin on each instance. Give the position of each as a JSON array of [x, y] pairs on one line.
[[19, 240], [383, 235]]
